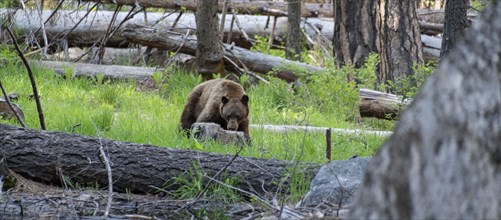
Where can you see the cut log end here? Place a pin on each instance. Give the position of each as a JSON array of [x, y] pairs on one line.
[[213, 131]]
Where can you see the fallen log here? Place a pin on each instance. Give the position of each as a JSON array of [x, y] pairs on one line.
[[430, 28], [48, 157], [437, 16], [381, 105], [290, 128], [254, 61], [88, 204], [112, 72], [251, 7], [431, 47], [242, 6]]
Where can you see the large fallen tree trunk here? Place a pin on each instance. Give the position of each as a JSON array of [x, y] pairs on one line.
[[49, 157], [268, 8], [254, 61], [242, 6]]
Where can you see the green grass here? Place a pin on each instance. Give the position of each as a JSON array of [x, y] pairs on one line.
[[115, 110]]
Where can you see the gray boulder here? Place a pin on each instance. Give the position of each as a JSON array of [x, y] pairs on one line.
[[335, 182], [213, 131]]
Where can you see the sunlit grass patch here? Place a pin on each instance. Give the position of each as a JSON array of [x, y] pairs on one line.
[[116, 110]]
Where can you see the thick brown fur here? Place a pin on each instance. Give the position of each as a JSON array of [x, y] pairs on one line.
[[220, 101]]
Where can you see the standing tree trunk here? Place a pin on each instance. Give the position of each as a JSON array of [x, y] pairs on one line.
[[398, 39], [354, 31], [454, 25], [209, 51], [293, 49], [444, 159]]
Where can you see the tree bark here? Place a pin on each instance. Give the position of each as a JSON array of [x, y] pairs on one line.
[[294, 33], [398, 39], [354, 32], [252, 7], [254, 61], [209, 53], [444, 159], [455, 24], [44, 156]]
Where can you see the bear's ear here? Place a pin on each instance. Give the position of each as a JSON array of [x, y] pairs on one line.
[[224, 100], [245, 99]]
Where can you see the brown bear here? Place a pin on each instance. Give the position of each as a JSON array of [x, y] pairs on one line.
[[220, 101]]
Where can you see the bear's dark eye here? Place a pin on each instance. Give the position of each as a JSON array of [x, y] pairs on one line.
[[234, 115]]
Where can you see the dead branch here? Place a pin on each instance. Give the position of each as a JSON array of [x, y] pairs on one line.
[[32, 79]]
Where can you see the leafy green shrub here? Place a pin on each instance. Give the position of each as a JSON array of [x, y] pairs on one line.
[[262, 45], [9, 3], [408, 86], [328, 92], [367, 75], [277, 94]]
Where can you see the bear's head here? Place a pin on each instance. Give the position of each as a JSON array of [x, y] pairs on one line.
[[234, 111]]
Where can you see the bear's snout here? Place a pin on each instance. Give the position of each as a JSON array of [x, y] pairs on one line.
[[232, 125]]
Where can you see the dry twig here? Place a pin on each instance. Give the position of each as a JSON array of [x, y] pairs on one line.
[[238, 25], [107, 164]]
